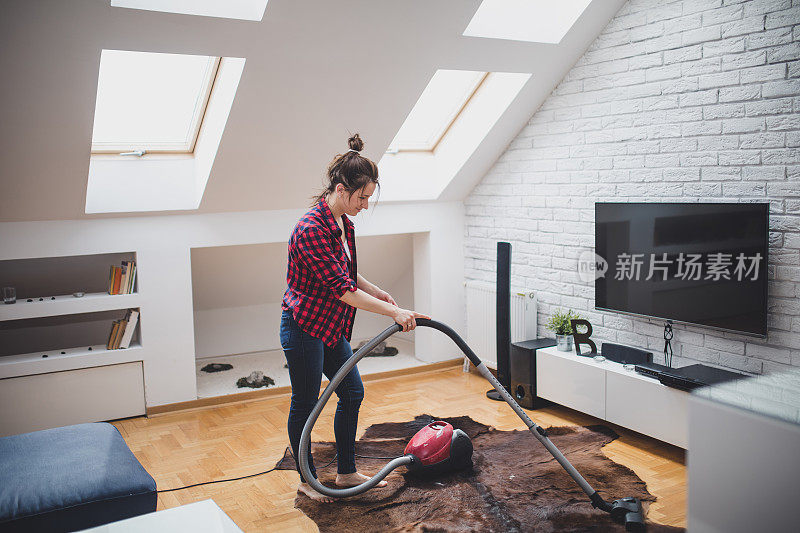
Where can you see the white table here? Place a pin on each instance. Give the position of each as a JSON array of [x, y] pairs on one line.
[[199, 517], [744, 441], [608, 391]]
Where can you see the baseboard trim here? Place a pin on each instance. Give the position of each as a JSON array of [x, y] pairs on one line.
[[278, 391]]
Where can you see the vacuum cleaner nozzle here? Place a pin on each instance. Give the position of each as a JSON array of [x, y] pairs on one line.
[[628, 511]]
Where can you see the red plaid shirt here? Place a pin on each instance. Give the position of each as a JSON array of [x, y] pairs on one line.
[[319, 273]]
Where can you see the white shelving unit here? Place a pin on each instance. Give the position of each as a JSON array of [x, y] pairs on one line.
[[68, 305], [66, 382], [66, 359]]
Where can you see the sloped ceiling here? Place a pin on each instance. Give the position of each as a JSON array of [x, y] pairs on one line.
[[316, 70]]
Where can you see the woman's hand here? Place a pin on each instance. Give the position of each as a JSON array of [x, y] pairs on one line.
[[374, 291], [363, 300], [407, 319], [382, 295]]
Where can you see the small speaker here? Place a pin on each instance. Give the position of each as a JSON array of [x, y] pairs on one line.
[[522, 363], [625, 354]]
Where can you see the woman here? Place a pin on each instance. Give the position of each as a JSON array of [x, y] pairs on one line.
[[319, 307]]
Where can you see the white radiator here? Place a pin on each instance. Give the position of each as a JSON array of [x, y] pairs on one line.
[[482, 319]]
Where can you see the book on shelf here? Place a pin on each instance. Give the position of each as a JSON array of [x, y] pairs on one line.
[[112, 335], [131, 319], [116, 275], [122, 331], [121, 278], [122, 325], [131, 277], [117, 279]]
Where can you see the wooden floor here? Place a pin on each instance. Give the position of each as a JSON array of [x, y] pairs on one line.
[[188, 447]]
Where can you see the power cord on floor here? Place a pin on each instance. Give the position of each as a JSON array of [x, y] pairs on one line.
[[267, 471]]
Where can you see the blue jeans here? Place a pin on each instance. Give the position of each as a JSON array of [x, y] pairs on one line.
[[308, 358]]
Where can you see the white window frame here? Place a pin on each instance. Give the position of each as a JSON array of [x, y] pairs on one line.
[[227, 9], [459, 161], [201, 106], [440, 134], [525, 20]]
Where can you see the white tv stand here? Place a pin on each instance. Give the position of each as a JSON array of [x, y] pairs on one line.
[[607, 391]]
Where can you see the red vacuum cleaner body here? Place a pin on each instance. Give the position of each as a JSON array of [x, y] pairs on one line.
[[438, 448]]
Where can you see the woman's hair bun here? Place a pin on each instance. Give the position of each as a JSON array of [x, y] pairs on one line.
[[351, 169], [355, 143]]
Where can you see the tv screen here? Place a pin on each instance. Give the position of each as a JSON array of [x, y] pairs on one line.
[[702, 264]]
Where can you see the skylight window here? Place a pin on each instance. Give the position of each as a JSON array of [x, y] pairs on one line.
[[148, 102], [162, 182], [538, 21], [230, 9], [458, 160], [437, 108]]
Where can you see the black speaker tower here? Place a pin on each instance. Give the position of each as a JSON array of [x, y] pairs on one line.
[[503, 317]]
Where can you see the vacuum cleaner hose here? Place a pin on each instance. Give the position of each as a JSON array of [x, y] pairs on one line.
[[305, 438], [627, 509]]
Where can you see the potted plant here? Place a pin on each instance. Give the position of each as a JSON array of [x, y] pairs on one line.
[[560, 324]]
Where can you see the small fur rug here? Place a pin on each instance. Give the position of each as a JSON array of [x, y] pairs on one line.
[[216, 367], [255, 380], [515, 484], [381, 350]]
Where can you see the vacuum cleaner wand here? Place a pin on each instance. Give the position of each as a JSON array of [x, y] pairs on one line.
[[626, 510]]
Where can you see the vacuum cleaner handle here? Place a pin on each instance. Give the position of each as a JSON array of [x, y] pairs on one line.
[[455, 337]]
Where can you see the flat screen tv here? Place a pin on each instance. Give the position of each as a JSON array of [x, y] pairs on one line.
[[694, 263]]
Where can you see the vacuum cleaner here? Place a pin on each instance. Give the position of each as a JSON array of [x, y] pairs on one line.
[[438, 447]]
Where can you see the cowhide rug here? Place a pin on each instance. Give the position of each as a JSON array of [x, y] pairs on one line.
[[515, 484]]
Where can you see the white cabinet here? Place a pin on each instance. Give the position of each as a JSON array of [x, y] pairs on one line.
[[41, 401], [645, 405], [578, 386], [743, 467], [607, 391]]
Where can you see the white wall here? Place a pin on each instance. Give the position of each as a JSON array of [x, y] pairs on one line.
[[439, 289], [163, 245], [237, 292], [690, 100]]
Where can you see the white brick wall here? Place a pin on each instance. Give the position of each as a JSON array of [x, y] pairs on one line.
[[688, 100]]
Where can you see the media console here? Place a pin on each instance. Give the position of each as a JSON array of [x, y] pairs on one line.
[[606, 390]]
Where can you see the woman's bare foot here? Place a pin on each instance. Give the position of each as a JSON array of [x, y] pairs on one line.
[[351, 480], [309, 491]]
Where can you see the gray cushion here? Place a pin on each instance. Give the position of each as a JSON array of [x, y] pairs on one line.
[[71, 478]]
